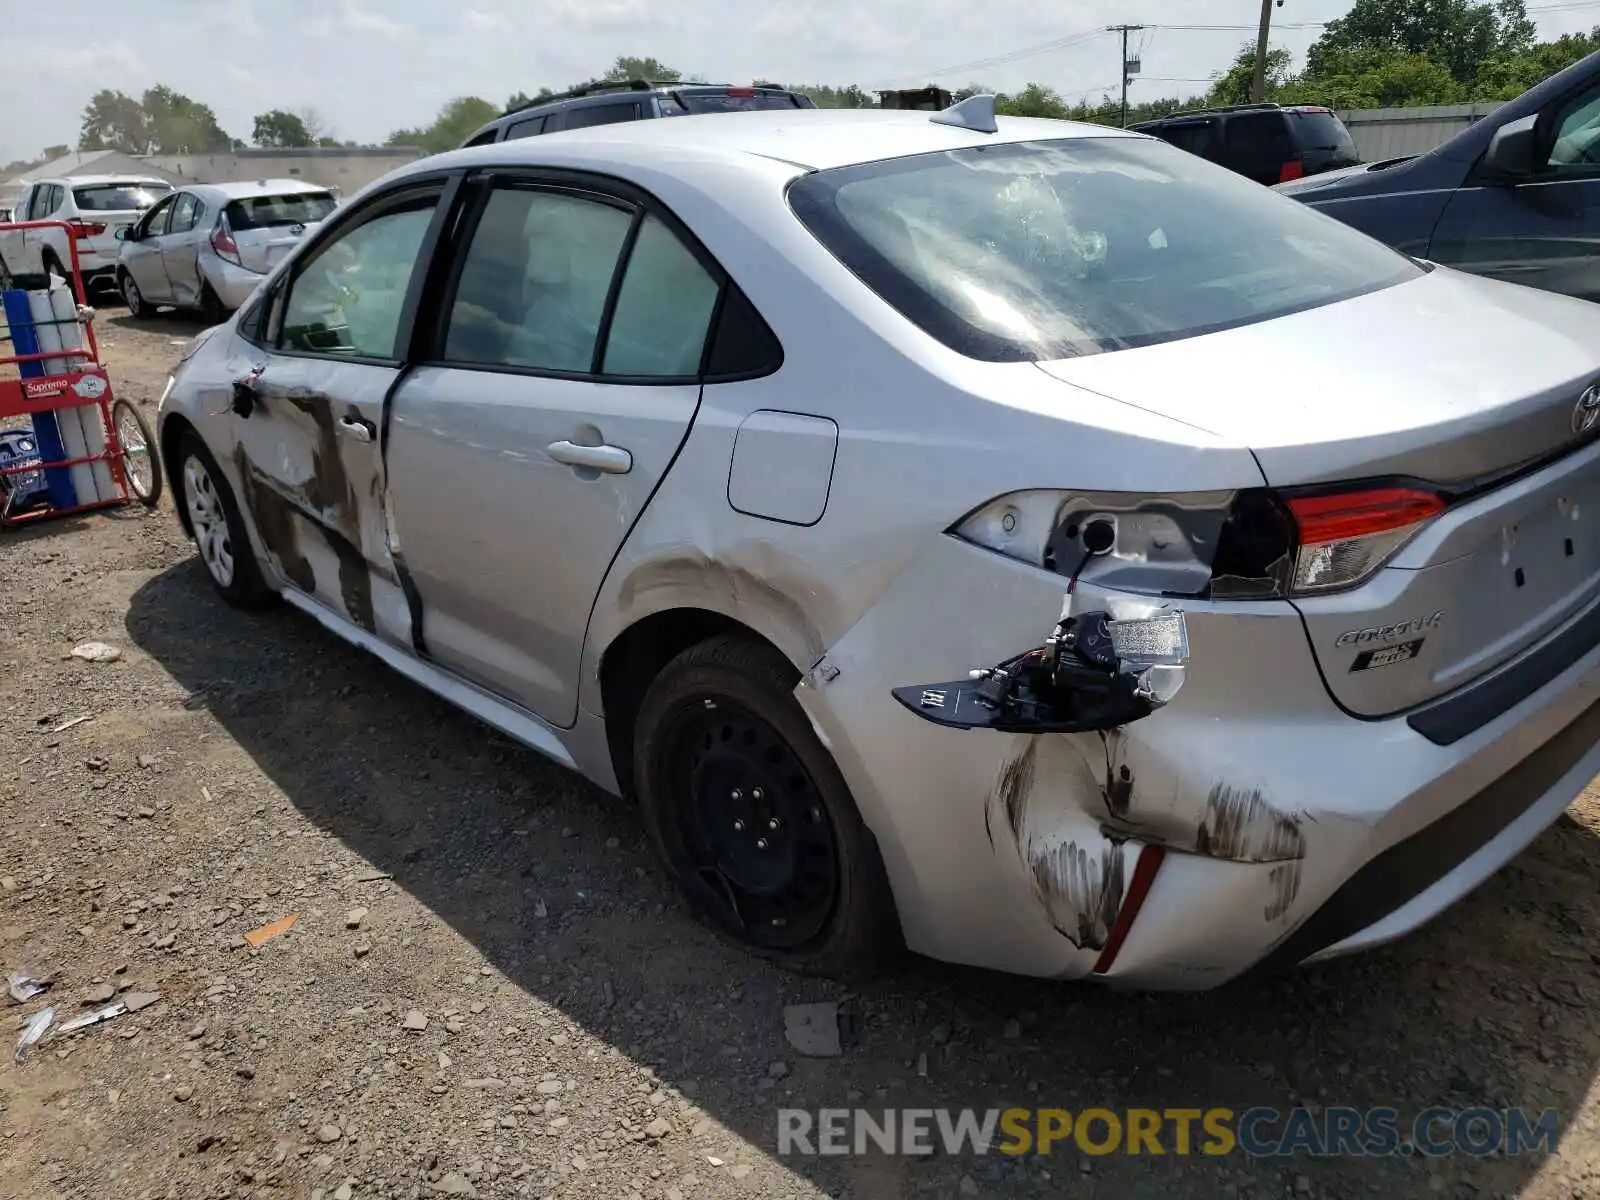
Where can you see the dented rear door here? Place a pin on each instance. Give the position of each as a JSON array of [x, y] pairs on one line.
[[309, 413]]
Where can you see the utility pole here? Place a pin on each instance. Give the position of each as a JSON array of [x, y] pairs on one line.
[[1258, 81], [1130, 66]]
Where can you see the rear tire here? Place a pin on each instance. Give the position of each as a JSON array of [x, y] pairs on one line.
[[211, 307], [138, 306], [218, 529], [750, 813]]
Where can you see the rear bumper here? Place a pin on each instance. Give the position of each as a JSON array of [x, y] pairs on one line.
[[1292, 831], [232, 284]]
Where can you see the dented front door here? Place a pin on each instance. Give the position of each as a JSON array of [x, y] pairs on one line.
[[309, 412]]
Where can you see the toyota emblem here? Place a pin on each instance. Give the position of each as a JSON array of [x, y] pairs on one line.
[[1587, 410]]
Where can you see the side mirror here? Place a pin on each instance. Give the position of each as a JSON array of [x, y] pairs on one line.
[[1510, 152], [124, 234]]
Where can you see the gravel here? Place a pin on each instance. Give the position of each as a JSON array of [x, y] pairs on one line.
[[524, 1008]]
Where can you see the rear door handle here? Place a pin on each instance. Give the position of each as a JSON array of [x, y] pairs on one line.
[[358, 428], [612, 460]]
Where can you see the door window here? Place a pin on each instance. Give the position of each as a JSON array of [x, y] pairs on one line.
[[36, 202], [156, 223], [1197, 137], [535, 279], [347, 298], [1576, 148], [185, 212], [600, 114], [532, 127], [1256, 141], [664, 307]]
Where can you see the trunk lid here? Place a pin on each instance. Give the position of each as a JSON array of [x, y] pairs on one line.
[[267, 228], [1450, 380]]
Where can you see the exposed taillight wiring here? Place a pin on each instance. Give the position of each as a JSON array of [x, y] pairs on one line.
[[222, 241]]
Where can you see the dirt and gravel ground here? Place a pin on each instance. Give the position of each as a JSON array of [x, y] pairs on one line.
[[490, 989]]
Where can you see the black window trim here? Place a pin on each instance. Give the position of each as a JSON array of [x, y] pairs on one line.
[[443, 187], [428, 338]]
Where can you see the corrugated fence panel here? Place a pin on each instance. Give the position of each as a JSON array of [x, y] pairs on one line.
[[1382, 133]]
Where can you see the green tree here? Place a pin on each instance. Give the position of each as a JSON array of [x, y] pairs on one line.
[[1035, 100], [178, 125], [1374, 77], [626, 68], [279, 129], [1233, 85], [1512, 76], [456, 122], [114, 121], [1461, 35]]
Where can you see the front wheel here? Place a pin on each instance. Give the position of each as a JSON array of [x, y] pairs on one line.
[[752, 816], [218, 529], [139, 463], [138, 306]]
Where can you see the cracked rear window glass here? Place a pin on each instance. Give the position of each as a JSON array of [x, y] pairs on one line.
[[1031, 251]]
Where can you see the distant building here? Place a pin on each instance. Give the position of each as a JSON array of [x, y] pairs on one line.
[[82, 162]]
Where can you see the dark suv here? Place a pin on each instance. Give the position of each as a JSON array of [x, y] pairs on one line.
[[1266, 142], [632, 100]]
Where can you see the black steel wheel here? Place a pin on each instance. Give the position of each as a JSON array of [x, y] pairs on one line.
[[752, 816], [140, 465]]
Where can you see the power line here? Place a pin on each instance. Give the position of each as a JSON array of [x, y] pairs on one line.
[[996, 60]]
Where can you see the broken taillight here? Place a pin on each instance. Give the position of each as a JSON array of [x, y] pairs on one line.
[[1346, 536], [222, 242], [86, 229]]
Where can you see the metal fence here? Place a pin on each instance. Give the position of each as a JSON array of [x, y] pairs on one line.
[[1382, 133]]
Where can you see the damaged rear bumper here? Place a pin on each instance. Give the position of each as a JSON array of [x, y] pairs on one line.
[[1276, 815]]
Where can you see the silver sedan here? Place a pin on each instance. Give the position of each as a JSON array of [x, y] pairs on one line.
[[1014, 539], [206, 246]]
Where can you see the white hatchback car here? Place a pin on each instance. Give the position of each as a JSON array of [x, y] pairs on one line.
[[208, 245], [1019, 538]]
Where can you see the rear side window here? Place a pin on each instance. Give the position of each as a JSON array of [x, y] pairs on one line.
[[118, 197], [1197, 137], [663, 309], [1252, 139], [484, 138], [534, 281], [532, 127], [600, 114], [267, 212], [1053, 249]]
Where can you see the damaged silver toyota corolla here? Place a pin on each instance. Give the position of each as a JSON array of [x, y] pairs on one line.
[[1017, 540]]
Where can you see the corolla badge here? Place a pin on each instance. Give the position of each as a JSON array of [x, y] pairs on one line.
[[1587, 410]]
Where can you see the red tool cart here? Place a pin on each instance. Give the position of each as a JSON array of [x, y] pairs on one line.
[[86, 450]]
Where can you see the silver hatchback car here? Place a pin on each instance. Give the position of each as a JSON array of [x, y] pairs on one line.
[[207, 245], [1018, 540]]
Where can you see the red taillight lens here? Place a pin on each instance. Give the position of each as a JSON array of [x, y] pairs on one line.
[[86, 229], [1343, 538], [1293, 169], [222, 242]]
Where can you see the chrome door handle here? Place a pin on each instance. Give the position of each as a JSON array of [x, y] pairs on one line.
[[356, 427], [612, 460]]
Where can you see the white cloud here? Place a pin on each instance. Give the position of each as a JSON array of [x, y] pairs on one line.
[[361, 20], [485, 22]]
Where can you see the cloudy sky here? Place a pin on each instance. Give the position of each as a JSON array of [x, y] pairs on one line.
[[371, 66]]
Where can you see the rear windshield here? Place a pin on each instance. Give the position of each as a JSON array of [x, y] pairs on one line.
[[265, 212], [681, 103], [1042, 250], [1324, 131], [119, 197]]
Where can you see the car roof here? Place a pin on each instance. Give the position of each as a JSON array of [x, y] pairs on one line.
[[100, 180], [241, 190], [810, 138]]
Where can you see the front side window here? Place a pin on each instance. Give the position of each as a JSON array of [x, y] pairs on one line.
[[1577, 135], [185, 212], [155, 223], [535, 279], [663, 309], [38, 202], [1197, 137], [532, 127], [347, 298], [1045, 250]]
